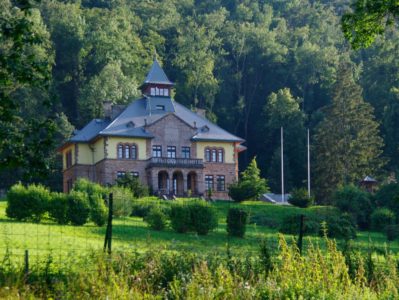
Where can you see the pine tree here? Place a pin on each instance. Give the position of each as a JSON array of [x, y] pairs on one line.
[[347, 142]]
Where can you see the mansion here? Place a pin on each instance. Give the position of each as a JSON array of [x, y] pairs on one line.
[[170, 148]]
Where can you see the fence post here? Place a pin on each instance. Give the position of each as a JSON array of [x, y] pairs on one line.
[[301, 234], [108, 232], [26, 270]]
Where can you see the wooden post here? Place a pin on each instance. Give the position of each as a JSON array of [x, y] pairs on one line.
[[108, 232], [300, 238], [26, 270]]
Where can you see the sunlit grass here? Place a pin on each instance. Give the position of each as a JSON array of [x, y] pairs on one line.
[[132, 234]]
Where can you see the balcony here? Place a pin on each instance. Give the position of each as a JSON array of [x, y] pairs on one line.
[[165, 162]]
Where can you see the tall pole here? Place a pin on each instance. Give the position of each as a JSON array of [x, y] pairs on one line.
[[308, 164], [282, 165]]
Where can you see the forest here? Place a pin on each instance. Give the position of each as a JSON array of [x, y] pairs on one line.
[[255, 66]]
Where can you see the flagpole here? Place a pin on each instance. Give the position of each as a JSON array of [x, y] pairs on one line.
[[308, 164], [282, 165]]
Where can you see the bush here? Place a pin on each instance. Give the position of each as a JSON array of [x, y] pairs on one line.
[[27, 204], [236, 222], [98, 211], [388, 196], [340, 226], [180, 217], [78, 208], [196, 216], [381, 218], [353, 200], [392, 232], [123, 201], [92, 189], [58, 208], [156, 219], [203, 217], [300, 198], [137, 189]]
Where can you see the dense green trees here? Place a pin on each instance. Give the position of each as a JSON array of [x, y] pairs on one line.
[[253, 66], [348, 145]]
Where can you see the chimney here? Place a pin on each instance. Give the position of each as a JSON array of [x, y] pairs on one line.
[[201, 112], [116, 110], [107, 107]]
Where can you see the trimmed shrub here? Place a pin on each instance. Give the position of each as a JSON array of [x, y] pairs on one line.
[[203, 217], [78, 208], [58, 208], [381, 218], [98, 211], [27, 204], [156, 219], [180, 217], [340, 226], [355, 201], [299, 198], [236, 222], [392, 232]]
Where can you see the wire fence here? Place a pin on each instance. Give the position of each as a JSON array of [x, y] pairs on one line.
[[123, 231]]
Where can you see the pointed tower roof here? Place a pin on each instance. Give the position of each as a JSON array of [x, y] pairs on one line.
[[156, 75]]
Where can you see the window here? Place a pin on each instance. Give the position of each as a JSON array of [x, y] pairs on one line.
[[171, 152], [134, 152], [160, 107], [157, 151], [185, 152], [120, 174], [214, 155], [120, 151], [207, 154], [157, 91], [68, 159], [220, 155], [161, 92], [127, 151], [134, 174], [209, 182], [152, 91], [166, 92], [220, 183]]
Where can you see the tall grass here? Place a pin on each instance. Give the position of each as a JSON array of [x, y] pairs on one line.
[[320, 274]]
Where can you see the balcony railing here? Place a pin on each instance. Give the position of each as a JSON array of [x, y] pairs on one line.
[[175, 162]]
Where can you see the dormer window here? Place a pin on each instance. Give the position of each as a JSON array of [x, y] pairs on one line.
[[204, 128]]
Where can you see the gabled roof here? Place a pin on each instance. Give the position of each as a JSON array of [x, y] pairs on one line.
[[90, 131], [157, 75], [134, 120]]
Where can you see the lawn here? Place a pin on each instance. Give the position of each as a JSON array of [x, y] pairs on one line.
[[132, 234]]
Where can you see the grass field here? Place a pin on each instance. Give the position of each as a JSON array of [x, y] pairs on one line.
[[132, 234]]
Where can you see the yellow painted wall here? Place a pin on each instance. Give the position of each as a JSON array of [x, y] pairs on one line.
[[98, 150], [113, 143], [85, 156], [228, 150], [64, 152]]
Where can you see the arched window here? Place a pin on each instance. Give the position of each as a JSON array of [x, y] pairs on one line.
[[214, 158], [127, 151], [120, 151], [134, 151], [220, 155], [207, 154]]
